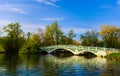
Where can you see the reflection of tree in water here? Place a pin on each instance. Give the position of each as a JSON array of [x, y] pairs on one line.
[[22, 65], [29, 59], [35, 65], [2, 61], [48, 67], [92, 70], [30, 63], [11, 61], [112, 68]]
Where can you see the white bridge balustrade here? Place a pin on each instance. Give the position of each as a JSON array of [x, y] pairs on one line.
[[99, 51]]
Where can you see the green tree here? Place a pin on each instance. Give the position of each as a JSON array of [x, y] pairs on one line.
[[28, 36], [28, 41], [48, 37], [14, 39], [53, 34], [71, 35], [0, 30], [118, 43], [90, 38], [32, 43], [57, 33], [64, 40], [41, 34], [74, 42]]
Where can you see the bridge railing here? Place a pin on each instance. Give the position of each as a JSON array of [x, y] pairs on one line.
[[80, 48]]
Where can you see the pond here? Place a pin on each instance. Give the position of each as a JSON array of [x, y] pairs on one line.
[[48, 65]]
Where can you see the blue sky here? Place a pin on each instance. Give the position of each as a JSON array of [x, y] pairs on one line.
[[79, 15]]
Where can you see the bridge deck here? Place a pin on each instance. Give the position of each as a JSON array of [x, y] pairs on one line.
[[75, 48]]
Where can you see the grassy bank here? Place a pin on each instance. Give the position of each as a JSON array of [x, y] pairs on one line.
[[113, 56]]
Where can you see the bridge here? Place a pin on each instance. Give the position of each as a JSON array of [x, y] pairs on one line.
[[99, 51]]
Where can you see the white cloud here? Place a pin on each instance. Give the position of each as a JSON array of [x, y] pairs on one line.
[[25, 26], [12, 8], [4, 22], [34, 27], [31, 27], [52, 19], [118, 2], [49, 2]]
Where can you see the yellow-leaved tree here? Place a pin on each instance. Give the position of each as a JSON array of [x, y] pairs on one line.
[[110, 35]]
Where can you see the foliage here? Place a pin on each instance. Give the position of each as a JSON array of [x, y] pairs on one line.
[[48, 38], [14, 39], [110, 36], [71, 35], [53, 33], [90, 38], [74, 42], [32, 44], [1, 49]]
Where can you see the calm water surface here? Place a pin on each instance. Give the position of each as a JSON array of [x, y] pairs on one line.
[[36, 65]]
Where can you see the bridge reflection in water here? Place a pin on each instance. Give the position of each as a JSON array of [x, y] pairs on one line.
[[77, 60], [48, 65], [76, 66]]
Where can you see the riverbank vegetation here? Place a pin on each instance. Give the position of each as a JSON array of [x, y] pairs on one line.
[[108, 36], [113, 56], [15, 40]]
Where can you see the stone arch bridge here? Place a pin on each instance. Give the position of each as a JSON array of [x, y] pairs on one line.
[[99, 51]]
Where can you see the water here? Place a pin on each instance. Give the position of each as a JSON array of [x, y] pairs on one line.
[[36, 65]]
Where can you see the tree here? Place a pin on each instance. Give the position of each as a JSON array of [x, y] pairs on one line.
[[34, 43], [71, 35], [57, 33], [41, 34], [110, 35], [14, 39], [0, 30], [48, 38], [74, 42], [64, 40], [28, 36], [28, 41], [53, 34], [90, 38]]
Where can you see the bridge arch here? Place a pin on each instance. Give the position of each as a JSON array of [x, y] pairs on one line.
[[87, 54], [62, 52], [66, 52]]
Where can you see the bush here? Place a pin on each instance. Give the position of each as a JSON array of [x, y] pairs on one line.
[[29, 48]]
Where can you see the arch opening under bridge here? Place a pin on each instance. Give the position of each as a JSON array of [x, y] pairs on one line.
[[61, 52]]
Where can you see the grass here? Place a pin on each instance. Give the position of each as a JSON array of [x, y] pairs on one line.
[[114, 55]]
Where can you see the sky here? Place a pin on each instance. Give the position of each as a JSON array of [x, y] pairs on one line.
[[79, 15]]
